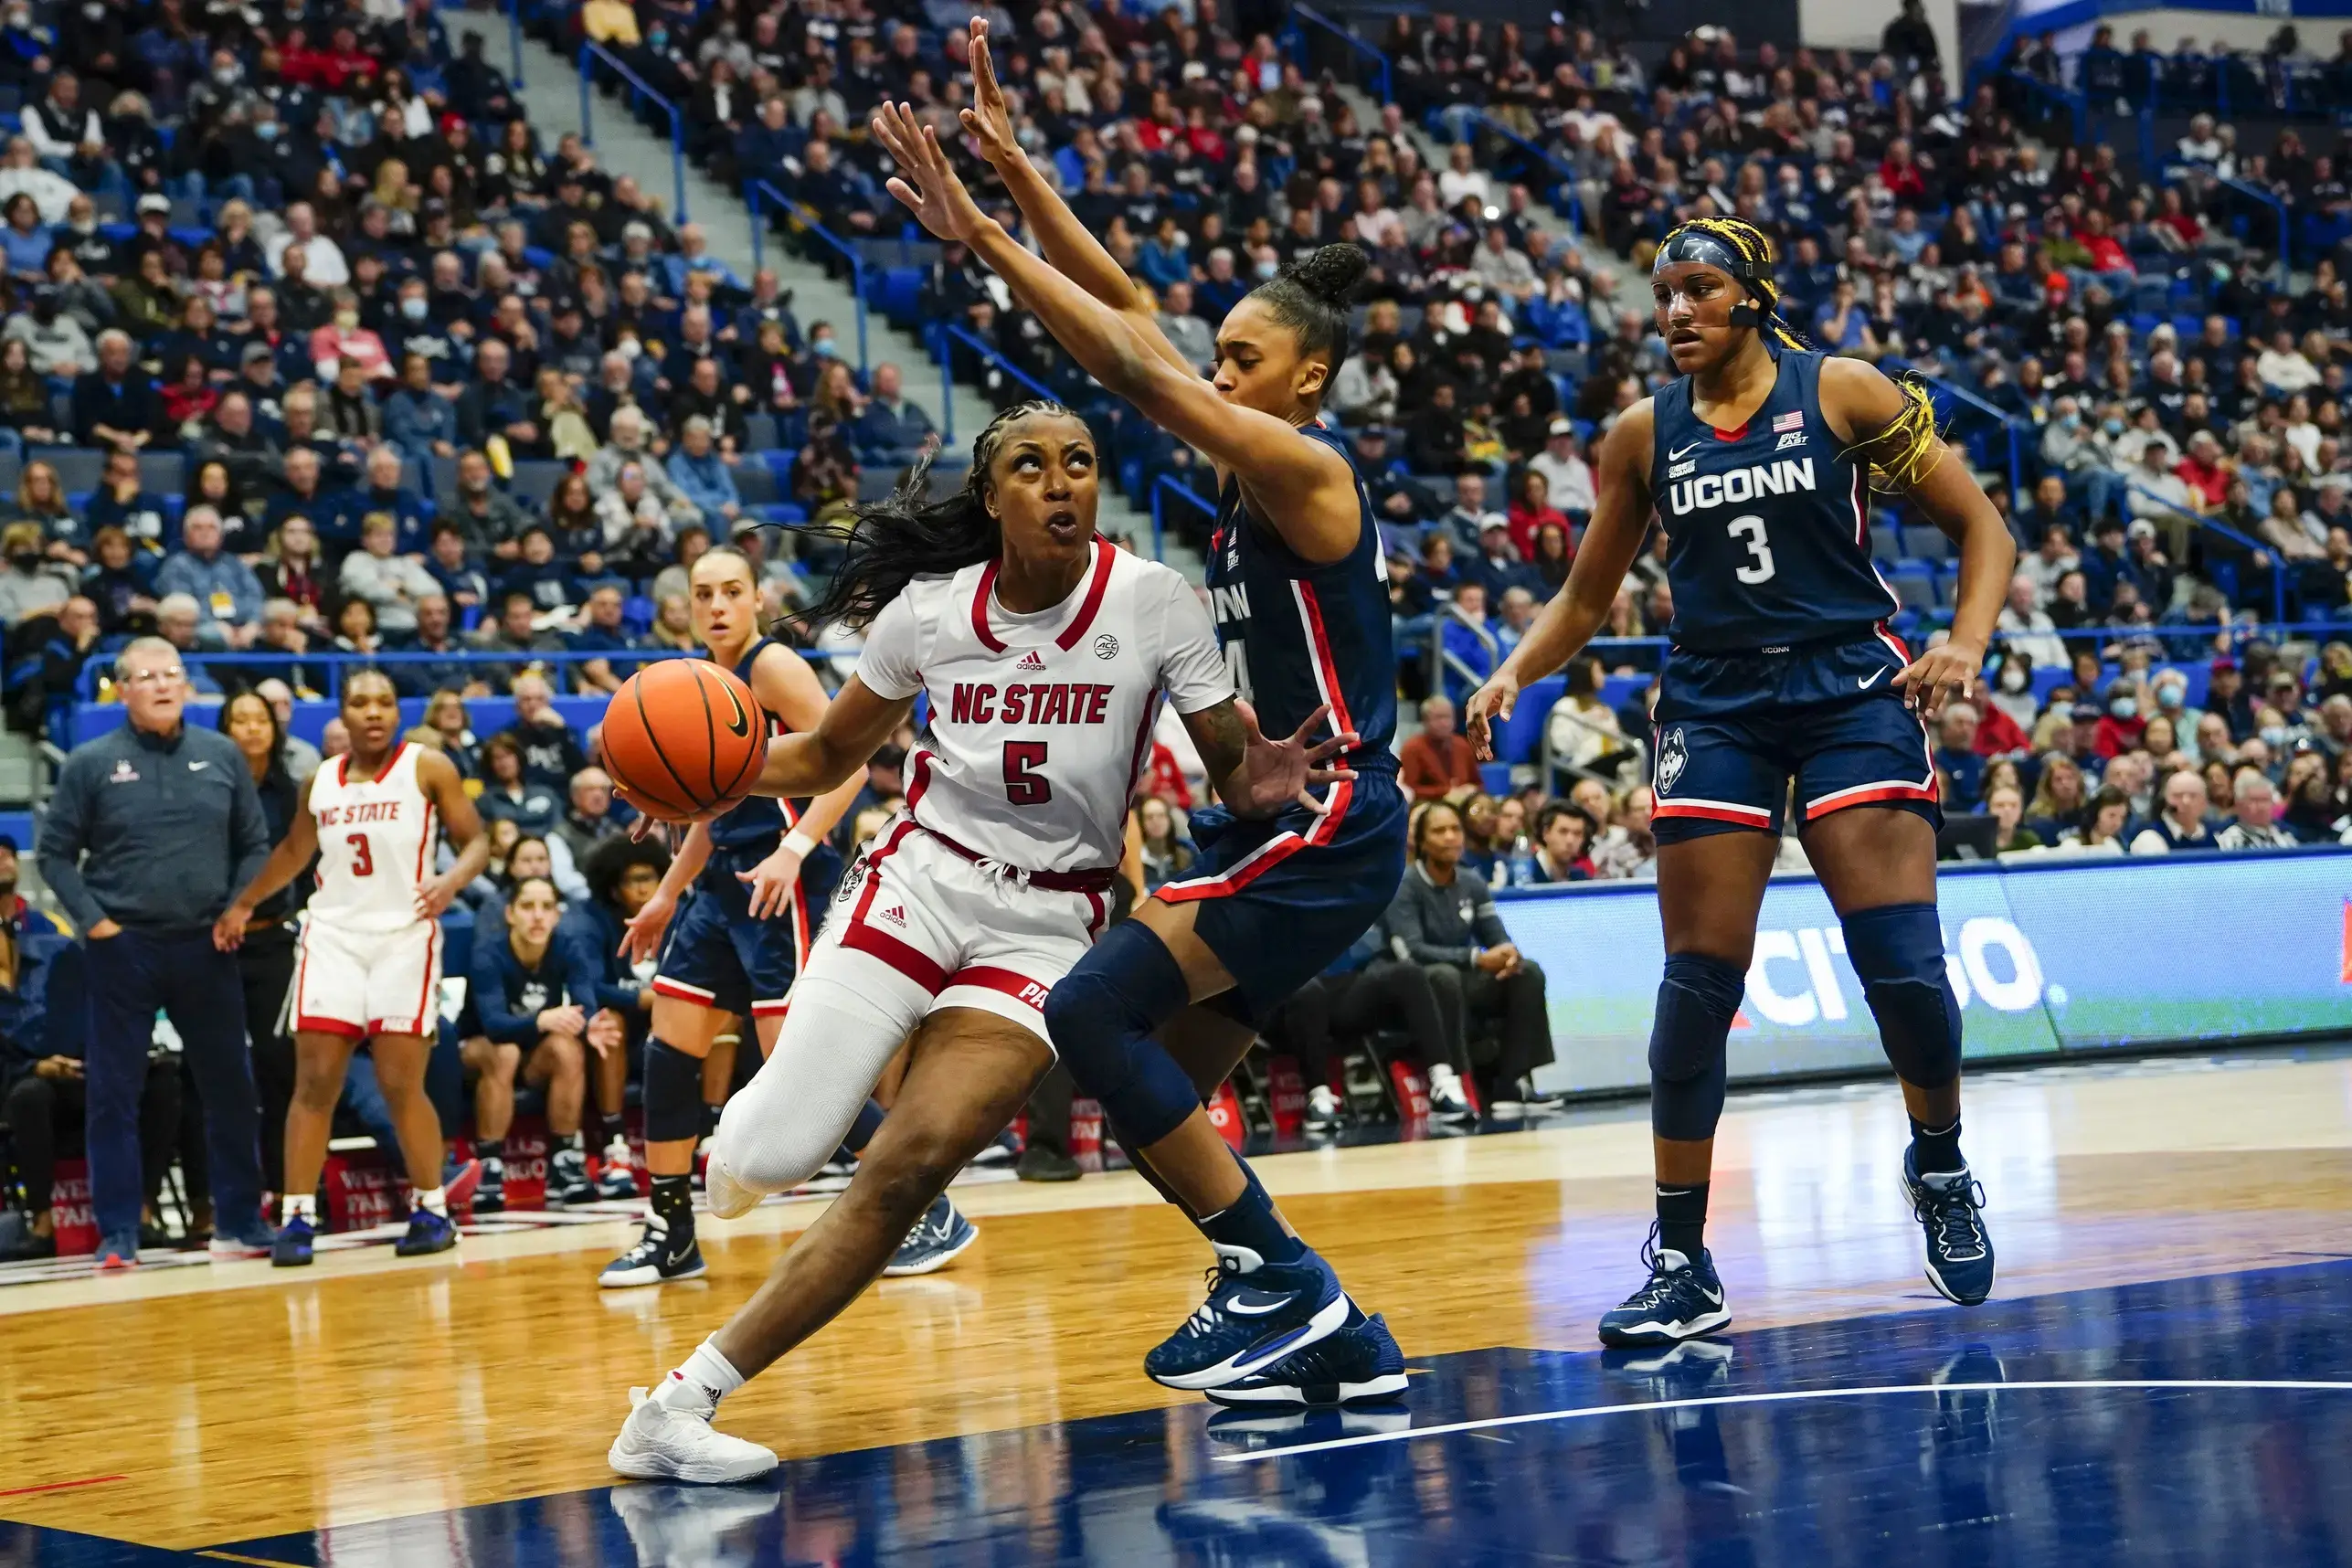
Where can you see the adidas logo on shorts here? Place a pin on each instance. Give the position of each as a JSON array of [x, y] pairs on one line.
[[896, 915], [1030, 661]]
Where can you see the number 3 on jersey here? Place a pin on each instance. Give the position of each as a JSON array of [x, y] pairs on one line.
[[1751, 530], [363, 861]]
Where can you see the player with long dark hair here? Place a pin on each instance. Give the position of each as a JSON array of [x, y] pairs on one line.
[[1045, 653], [1756, 463], [1296, 588]]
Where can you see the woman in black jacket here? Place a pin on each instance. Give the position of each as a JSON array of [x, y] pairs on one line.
[[1445, 920], [265, 960]]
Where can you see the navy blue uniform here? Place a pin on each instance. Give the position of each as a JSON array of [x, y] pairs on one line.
[[1782, 665], [718, 956], [1281, 899]]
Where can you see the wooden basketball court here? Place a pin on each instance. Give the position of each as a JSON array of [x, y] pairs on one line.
[[457, 1409]]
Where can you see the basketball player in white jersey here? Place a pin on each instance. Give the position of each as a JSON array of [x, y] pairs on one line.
[[1045, 653], [369, 963]]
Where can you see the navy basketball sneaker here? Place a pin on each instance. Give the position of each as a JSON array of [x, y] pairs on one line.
[[1681, 1301], [654, 1261], [291, 1247], [1257, 1313], [1358, 1365], [937, 1238], [1949, 1209], [428, 1233]]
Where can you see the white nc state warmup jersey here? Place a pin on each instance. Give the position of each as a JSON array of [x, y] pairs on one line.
[[1040, 724], [375, 842]]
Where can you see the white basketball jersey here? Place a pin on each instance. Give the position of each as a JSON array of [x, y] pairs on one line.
[[1039, 725], [376, 843]]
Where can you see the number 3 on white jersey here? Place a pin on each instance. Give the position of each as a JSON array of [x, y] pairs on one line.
[[1751, 529]]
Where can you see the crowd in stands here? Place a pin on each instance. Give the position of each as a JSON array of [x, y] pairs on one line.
[[313, 345]]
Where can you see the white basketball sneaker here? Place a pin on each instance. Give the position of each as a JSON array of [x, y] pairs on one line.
[[662, 1442], [724, 1196]]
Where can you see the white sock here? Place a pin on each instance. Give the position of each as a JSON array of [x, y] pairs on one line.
[[299, 1205], [435, 1200], [1442, 1073], [700, 1383]]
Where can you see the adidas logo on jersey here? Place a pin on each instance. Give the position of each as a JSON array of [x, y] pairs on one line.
[[896, 915], [1030, 661], [1784, 477]]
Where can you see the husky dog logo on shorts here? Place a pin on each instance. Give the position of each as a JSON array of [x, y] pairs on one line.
[[849, 880], [1671, 758]]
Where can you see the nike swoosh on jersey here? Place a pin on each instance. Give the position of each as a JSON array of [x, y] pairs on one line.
[[1679, 453], [1259, 1309], [1872, 679], [199, 766]]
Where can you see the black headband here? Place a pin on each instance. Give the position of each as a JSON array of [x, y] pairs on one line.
[[1710, 249]]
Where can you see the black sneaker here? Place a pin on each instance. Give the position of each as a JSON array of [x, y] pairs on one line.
[[654, 1261], [1948, 1208], [1681, 1301], [567, 1179], [1040, 1163], [489, 1192]]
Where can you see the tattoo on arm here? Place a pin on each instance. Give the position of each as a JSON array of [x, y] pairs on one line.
[[1218, 733]]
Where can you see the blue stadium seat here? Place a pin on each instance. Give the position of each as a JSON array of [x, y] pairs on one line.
[[756, 482], [1519, 737], [1925, 543], [758, 432], [536, 480], [1886, 543]]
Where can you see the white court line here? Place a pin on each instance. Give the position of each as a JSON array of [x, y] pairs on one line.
[[1367, 1439]]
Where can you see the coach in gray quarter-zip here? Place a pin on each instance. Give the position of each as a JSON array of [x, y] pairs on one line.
[[150, 832]]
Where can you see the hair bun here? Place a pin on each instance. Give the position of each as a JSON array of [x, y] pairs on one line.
[[1332, 272]]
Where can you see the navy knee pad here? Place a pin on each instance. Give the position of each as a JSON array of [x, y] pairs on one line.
[[674, 1094], [1101, 1016], [1897, 949], [1696, 1002]]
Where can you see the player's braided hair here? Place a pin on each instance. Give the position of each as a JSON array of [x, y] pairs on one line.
[[908, 534], [1900, 454]]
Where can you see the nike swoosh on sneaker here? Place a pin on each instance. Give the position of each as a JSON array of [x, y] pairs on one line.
[[1260, 1308], [1713, 1297]]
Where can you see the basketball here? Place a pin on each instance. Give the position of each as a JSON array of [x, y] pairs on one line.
[[685, 738]]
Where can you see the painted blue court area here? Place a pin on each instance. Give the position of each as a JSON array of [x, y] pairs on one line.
[[2194, 1421]]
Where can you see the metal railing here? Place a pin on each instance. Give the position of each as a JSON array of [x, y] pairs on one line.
[[2168, 507], [642, 92], [950, 333], [1447, 663], [2009, 423], [1163, 488], [806, 216], [1564, 171], [1295, 36]]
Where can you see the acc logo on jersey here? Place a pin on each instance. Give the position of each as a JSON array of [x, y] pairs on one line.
[[1672, 757], [1106, 646]]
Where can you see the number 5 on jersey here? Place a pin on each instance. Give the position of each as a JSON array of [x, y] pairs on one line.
[[1022, 786]]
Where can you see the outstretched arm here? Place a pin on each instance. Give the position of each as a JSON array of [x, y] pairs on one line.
[[1612, 539], [1256, 776], [1895, 430], [1305, 488], [1070, 246]]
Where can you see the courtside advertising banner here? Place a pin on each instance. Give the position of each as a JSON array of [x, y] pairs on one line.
[[2045, 955]]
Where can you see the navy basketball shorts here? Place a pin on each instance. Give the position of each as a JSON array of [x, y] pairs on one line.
[[719, 957], [1733, 730], [1280, 899]]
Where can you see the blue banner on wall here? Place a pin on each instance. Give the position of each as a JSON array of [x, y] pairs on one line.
[[2084, 955]]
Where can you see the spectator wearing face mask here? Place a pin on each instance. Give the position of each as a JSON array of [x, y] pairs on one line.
[[2181, 825], [2256, 804], [2026, 627], [2120, 728]]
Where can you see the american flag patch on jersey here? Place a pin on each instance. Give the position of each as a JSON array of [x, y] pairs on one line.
[[1791, 421]]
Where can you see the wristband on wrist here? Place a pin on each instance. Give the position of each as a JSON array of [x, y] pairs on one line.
[[798, 842]]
